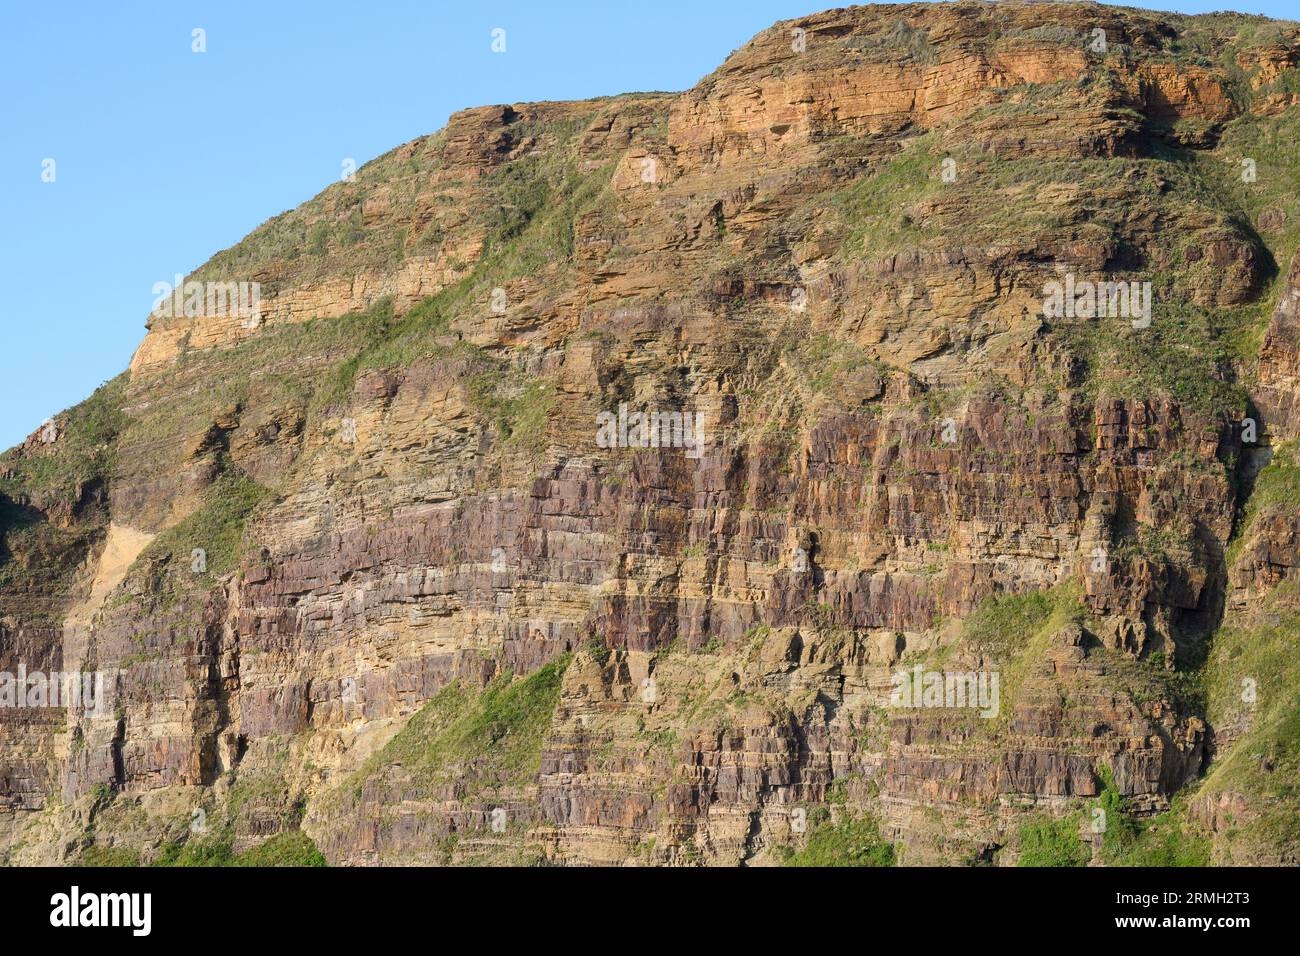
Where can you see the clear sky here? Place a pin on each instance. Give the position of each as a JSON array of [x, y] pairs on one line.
[[163, 156]]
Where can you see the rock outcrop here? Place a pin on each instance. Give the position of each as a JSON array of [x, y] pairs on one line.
[[396, 563]]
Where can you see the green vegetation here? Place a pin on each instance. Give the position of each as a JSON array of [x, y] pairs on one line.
[[1270, 142], [262, 792], [899, 42], [290, 848], [217, 851], [1180, 355], [537, 200], [1004, 623], [37, 561], [1123, 208], [823, 361], [1164, 840], [519, 412], [68, 476], [381, 340], [1047, 841], [81, 453], [1253, 680], [498, 731], [530, 223], [251, 799], [877, 206], [366, 329], [328, 229], [600, 651], [108, 856], [1279, 483], [1276, 487], [1190, 352], [216, 527], [1015, 630], [851, 842], [528, 210]]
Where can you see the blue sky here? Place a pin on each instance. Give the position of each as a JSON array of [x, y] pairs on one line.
[[164, 156]]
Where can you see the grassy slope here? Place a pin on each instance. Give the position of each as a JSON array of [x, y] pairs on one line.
[[496, 732]]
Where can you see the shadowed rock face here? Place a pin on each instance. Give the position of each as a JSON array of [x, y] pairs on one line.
[[368, 567]]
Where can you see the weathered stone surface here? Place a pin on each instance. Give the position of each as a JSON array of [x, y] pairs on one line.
[[895, 434]]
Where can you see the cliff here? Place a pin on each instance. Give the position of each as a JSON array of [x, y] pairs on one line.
[[363, 571]]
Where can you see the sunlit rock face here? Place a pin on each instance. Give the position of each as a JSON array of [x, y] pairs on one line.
[[670, 478]]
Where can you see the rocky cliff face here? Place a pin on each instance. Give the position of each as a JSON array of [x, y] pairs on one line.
[[393, 564]]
